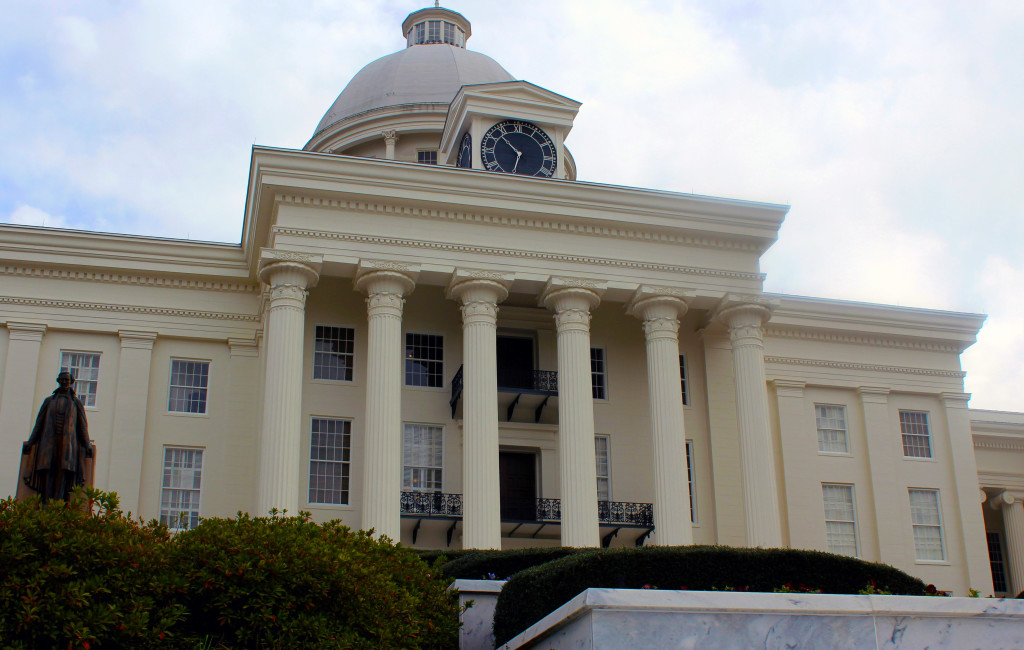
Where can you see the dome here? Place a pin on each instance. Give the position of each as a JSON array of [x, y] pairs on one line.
[[427, 73]]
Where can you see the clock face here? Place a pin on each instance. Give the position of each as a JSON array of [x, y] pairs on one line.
[[465, 152], [517, 147]]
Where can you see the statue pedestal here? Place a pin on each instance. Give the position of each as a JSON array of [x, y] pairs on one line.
[[24, 491]]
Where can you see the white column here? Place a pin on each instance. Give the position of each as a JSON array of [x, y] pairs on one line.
[[757, 458], [280, 444], [576, 456], [1012, 506], [390, 139], [130, 408], [660, 315], [481, 496], [18, 399], [382, 434]]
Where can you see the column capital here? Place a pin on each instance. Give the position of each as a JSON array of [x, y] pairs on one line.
[[738, 311], [873, 394], [26, 331], [244, 347], [955, 400], [789, 388], [137, 340], [281, 267], [384, 276], [390, 134], [652, 301], [468, 285], [561, 293], [1005, 498]]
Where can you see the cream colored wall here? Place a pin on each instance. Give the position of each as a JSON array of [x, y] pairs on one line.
[[405, 149]]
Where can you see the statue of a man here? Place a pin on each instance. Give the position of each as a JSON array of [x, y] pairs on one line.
[[59, 443]]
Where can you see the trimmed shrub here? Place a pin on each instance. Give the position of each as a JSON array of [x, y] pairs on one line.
[[532, 594], [286, 582], [84, 576], [430, 556], [480, 565]]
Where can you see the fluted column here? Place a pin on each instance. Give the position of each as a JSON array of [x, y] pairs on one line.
[[481, 495], [280, 443], [660, 311], [390, 139], [572, 302], [745, 320], [386, 289], [1011, 504]]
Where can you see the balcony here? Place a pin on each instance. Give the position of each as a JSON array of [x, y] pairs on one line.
[[532, 518], [539, 387]]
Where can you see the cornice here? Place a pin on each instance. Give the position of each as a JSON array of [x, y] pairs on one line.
[[984, 441], [138, 279], [129, 309], [509, 252], [781, 331], [865, 367], [508, 221]]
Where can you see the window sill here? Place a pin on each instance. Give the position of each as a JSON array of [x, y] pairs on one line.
[[335, 382], [919, 459], [835, 454], [934, 562], [426, 389], [182, 414]]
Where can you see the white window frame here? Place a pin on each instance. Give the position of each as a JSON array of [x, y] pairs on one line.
[[829, 542], [918, 527], [606, 440], [420, 154], [171, 515], [602, 373], [407, 359], [691, 477], [822, 419], [88, 397], [407, 481], [993, 538], [684, 384], [351, 356], [915, 435], [204, 390], [344, 465]]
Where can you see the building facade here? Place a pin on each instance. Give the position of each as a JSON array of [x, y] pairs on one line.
[[432, 329]]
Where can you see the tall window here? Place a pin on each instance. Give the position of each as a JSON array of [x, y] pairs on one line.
[[85, 367], [995, 558], [179, 491], [682, 379], [189, 385], [604, 468], [840, 519], [428, 157], [927, 522], [691, 482], [330, 445], [916, 436], [449, 34], [831, 422], [433, 31], [333, 352], [424, 360], [423, 457], [421, 32], [599, 378]]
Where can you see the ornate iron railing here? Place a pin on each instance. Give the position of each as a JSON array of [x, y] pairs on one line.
[[431, 504], [549, 509], [621, 512], [545, 380]]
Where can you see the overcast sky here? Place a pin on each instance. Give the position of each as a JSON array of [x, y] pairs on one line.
[[894, 129]]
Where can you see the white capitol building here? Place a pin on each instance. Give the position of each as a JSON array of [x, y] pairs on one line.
[[431, 328]]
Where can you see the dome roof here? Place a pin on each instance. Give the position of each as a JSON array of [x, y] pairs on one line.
[[428, 73]]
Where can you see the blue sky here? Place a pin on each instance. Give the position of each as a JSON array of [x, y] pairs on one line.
[[894, 129]]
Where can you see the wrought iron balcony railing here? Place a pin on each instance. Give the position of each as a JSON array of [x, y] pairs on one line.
[[431, 504]]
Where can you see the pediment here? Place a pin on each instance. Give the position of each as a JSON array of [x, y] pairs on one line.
[[520, 91]]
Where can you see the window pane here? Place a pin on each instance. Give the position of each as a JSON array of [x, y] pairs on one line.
[[333, 352], [927, 524], [85, 368], [601, 449], [330, 442], [598, 376], [995, 557], [180, 489], [424, 360], [840, 519], [189, 385], [682, 379], [423, 457], [831, 422], [690, 481], [916, 436]]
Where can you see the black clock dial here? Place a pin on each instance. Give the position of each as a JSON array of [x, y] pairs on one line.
[[516, 147], [465, 152]]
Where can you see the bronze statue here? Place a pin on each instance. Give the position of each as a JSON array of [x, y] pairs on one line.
[[59, 446]]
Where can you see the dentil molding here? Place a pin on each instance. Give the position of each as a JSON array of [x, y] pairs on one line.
[[865, 367], [128, 309], [777, 331], [138, 279]]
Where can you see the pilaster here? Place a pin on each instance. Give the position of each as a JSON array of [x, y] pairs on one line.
[[572, 300], [660, 309], [386, 284], [21, 372], [478, 293], [802, 507], [130, 408], [289, 275], [887, 496]]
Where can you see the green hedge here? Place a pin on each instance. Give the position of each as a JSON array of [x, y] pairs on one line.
[[430, 555], [481, 565], [86, 576], [532, 594]]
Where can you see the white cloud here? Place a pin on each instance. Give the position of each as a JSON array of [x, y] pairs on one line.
[[26, 215], [995, 364]]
